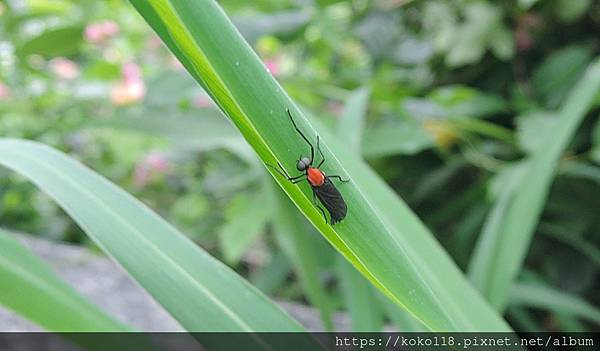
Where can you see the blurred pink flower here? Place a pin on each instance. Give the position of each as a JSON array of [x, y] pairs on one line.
[[4, 91], [131, 72], [131, 88], [154, 164], [273, 66], [99, 32], [203, 101], [157, 162], [64, 68]]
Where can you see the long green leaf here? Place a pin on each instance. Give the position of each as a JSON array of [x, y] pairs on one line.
[[356, 291], [403, 321], [298, 245], [352, 124], [501, 250], [381, 237], [577, 242], [522, 319], [34, 291], [31, 289], [359, 298], [534, 295], [492, 228], [199, 291]]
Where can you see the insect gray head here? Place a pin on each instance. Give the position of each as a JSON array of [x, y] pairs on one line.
[[303, 164]]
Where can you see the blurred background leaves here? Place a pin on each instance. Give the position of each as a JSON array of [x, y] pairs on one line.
[[444, 99]]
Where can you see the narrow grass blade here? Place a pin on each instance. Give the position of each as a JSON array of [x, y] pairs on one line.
[[357, 293], [534, 295], [490, 238], [501, 250], [31, 289], [578, 243], [359, 298], [380, 236], [401, 319], [523, 320], [296, 242], [199, 291], [352, 123]]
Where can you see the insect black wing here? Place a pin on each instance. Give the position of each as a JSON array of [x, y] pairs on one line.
[[331, 198]]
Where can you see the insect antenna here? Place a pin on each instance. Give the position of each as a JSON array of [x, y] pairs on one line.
[[312, 149]]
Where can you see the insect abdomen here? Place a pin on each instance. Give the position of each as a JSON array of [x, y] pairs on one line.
[[333, 201]]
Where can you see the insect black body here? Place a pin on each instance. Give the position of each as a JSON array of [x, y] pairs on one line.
[[321, 184], [331, 198]]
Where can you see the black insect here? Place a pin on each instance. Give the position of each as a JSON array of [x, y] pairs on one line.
[[321, 184]]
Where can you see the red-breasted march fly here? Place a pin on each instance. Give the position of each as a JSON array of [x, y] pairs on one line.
[[321, 184]]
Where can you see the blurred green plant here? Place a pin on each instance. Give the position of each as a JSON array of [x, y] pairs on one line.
[[452, 96], [502, 246]]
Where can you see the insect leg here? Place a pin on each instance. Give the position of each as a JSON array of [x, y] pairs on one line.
[[283, 172], [297, 180], [321, 153], [339, 178], [319, 207], [312, 149]]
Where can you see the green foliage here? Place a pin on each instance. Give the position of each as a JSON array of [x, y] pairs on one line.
[[245, 218], [555, 77], [54, 43], [380, 234], [461, 107], [501, 250]]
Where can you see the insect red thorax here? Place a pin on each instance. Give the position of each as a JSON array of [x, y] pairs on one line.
[[315, 176]]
